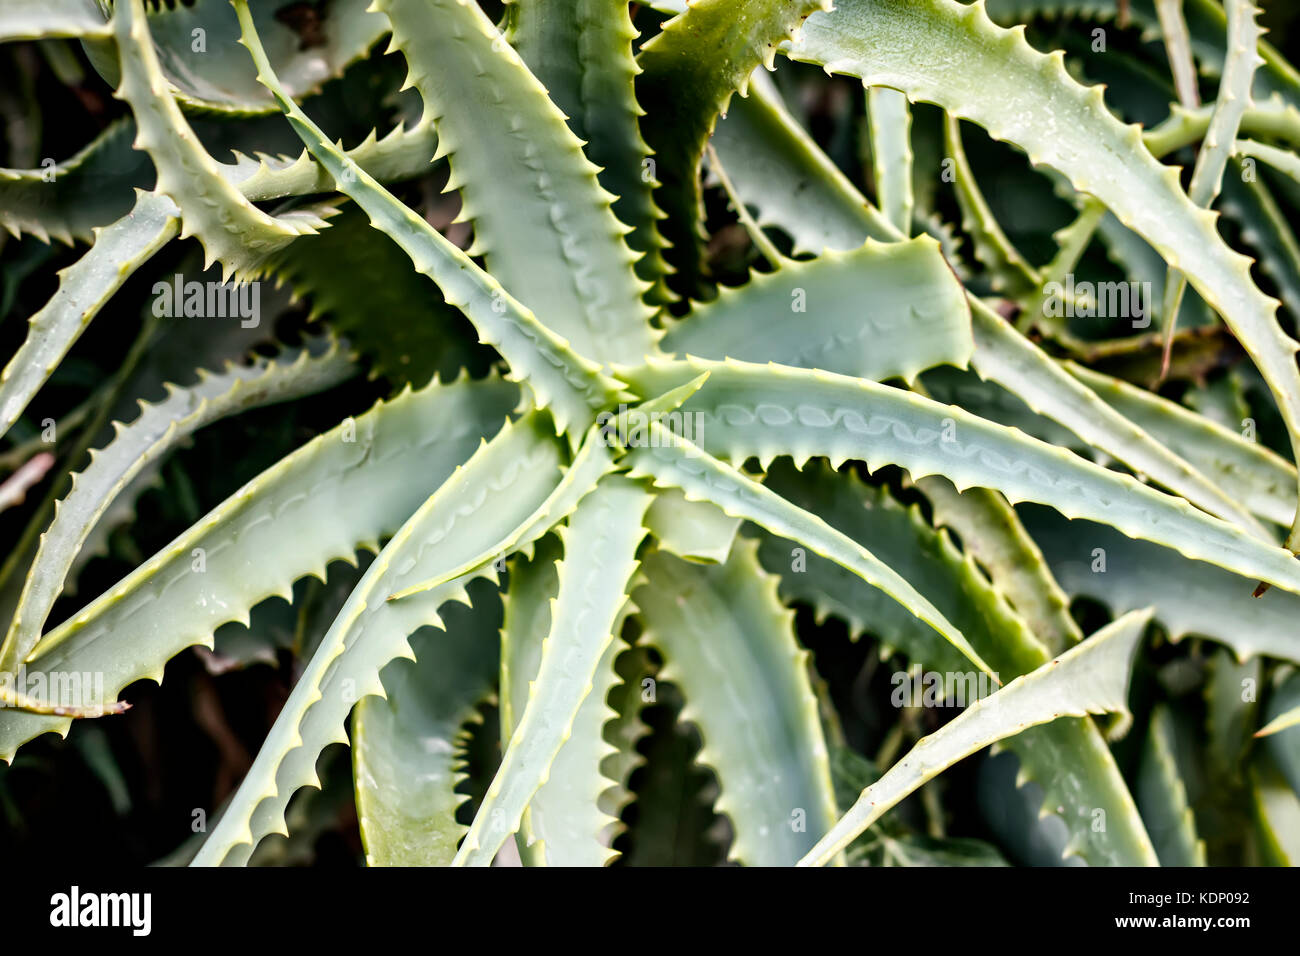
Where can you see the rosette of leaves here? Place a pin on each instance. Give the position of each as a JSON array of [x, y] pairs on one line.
[[658, 372]]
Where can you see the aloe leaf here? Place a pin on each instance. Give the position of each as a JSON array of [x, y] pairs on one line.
[[993, 77], [193, 40], [695, 530], [570, 385], [625, 731], [1191, 597], [890, 117], [542, 222], [1232, 713], [1207, 30], [600, 542], [1162, 798], [884, 310], [403, 153], [729, 644], [1245, 470], [591, 463], [397, 319], [1178, 47], [1010, 272], [346, 489], [581, 51], [748, 410], [1283, 721], [1281, 741], [866, 515], [232, 230], [68, 200], [44, 19], [674, 462], [1234, 97], [771, 153], [690, 69], [1277, 815], [1068, 759], [1265, 229], [1091, 678], [84, 287], [404, 743], [993, 534], [159, 428], [1012, 361], [564, 823], [499, 485], [777, 168]]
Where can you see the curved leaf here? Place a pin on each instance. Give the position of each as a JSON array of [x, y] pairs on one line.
[[749, 410], [581, 51], [159, 428], [992, 76], [674, 462], [84, 287], [884, 310], [499, 485], [405, 741], [690, 69], [1091, 678], [1068, 759], [572, 386], [69, 200], [1190, 597], [772, 156], [564, 823], [233, 231], [600, 556], [346, 489], [1162, 798], [542, 222], [729, 644]]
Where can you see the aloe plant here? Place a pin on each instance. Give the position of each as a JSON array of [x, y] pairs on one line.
[[674, 400]]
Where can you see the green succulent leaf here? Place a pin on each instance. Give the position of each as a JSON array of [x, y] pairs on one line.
[[1091, 678], [405, 742], [1068, 758], [346, 489], [885, 310], [745, 411], [44, 19], [600, 542], [694, 530], [569, 384], [542, 222], [308, 47], [770, 152], [1191, 597], [159, 428], [1162, 798], [581, 51], [564, 824], [84, 288], [690, 70], [891, 154], [993, 77], [68, 200], [674, 462], [500, 484], [729, 644], [233, 231], [994, 535]]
